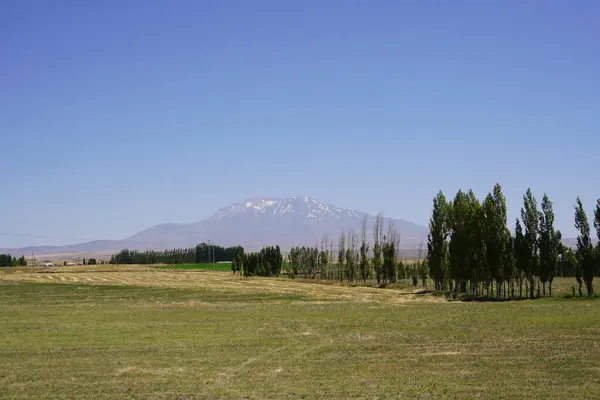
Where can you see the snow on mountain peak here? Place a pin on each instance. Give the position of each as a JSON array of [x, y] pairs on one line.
[[260, 204], [300, 206]]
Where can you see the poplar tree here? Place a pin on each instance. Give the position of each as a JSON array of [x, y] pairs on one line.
[[476, 243], [497, 237], [585, 249], [377, 253], [341, 256], [550, 245], [458, 248], [521, 256], [597, 226], [530, 217], [390, 271], [364, 252], [437, 241], [350, 258], [509, 265]]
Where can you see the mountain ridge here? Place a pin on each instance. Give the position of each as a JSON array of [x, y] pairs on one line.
[[253, 222]]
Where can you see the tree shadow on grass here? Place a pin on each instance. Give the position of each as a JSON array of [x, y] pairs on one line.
[[492, 299]]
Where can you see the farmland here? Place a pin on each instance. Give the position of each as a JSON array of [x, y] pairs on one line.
[[135, 332]]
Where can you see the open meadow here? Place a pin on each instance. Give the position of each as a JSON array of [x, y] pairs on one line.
[[134, 332]]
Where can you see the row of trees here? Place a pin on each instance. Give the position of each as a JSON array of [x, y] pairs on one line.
[[355, 259], [267, 262], [6, 260], [202, 253], [354, 264], [472, 250]]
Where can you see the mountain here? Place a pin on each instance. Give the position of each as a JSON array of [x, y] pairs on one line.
[[252, 223], [257, 222]]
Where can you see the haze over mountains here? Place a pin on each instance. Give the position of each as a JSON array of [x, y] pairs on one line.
[[252, 223]]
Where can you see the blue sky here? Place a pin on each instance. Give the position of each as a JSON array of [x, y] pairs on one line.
[[119, 115]]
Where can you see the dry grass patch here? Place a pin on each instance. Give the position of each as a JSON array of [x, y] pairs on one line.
[[209, 280]]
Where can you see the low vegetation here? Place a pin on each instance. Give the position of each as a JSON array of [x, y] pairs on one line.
[[138, 332]]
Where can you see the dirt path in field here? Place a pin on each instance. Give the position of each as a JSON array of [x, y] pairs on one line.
[[209, 280]]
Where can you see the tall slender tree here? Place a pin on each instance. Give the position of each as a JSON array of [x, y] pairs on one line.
[[497, 236], [437, 240], [377, 252], [585, 248], [509, 265], [476, 243], [530, 217], [350, 272], [364, 252], [390, 271], [341, 256], [521, 256], [458, 248], [597, 226], [550, 245]]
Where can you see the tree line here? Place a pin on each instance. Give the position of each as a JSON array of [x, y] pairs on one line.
[[6, 260], [202, 253], [267, 262], [472, 250], [353, 258], [354, 261]]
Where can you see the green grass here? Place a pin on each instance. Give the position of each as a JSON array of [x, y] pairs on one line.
[[209, 267], [72, 341]]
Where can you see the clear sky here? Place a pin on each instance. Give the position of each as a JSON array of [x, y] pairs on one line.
[[119, 115]]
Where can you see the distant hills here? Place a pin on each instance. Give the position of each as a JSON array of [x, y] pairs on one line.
[[252, 223]]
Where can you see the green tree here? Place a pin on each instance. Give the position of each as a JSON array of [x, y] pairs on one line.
[[341, 256], [423, 271], [389, 267], [458, 248], [521, 256], [585, 248], [437, 241], [377, 250], [236, 264], [364, 253], [550, 245], [509, 268], [323, 261], [530, 217], [478, 271], [497, 237], [569, 262], [597, 226]]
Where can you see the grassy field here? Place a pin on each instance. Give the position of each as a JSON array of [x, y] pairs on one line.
[[145, 333]]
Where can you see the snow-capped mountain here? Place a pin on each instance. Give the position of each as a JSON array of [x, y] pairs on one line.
[[299, 220], [306, 207], [254, 223]]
